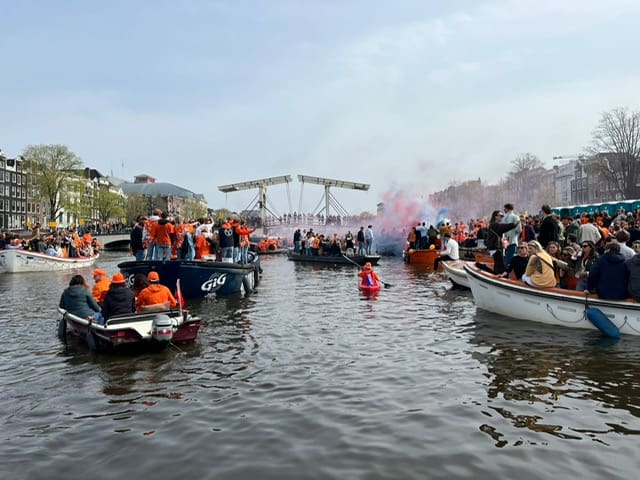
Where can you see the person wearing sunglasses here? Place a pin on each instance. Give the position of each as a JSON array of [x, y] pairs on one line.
[[585, 260], [493, 240], [518, 264]]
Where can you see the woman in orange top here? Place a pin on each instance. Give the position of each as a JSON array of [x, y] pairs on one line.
[[202, 245], [155, 293], [243, 231]]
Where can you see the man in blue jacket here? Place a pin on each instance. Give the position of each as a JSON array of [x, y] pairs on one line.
[[609, 276]]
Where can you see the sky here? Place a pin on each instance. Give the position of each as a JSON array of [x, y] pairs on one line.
[[407, 96]]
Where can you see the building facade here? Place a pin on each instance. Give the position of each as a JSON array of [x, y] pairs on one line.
[[13, 194]]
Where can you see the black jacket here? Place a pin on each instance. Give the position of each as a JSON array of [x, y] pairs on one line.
[[135, 239], [494, 234], [118, 300], [549, 231]]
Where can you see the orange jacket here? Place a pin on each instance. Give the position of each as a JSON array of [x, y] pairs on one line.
[[202, 246], [162, 232], [244, 233], [100, 289], [153, 294]]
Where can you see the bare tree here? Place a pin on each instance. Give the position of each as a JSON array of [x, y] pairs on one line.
[[51, 167], [616, 151], [523, 168]]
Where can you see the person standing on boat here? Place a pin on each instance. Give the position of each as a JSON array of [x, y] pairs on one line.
[[101, 285], [243, 232], [633, 270], [368, 239], [549, 227], [360, 240], [493, 240], [451, 251], [513, 236], [225, 232], [349, 246], [163, 233], [368, 275], [149, 236], [296, 239], [136, 244], [77, 300], [155, 293], [119, 300]]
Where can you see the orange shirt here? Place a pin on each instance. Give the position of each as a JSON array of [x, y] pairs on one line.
[[154, 294], [100, 289], [202, 246], [162, 233]]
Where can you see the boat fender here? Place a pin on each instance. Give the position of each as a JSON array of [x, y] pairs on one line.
[[247, 283], [602, 322], [62, 328], [91, 341]]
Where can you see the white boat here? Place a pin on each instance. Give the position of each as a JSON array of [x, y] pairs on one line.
[[19, 261], [513, 298], [153, 329], [454, 269]]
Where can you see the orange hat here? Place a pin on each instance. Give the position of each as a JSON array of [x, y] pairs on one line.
[[153, 277], [367, 265], [118, 278], [99, 271]]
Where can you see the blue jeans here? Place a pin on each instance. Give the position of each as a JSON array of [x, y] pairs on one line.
[[163, 252], [509, 253], [226, 254], [368, 246], [296, 247], [151, 250], [139, 255], [244, 251]]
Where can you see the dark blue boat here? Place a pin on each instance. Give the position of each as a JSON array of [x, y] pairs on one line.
[[199, 278]]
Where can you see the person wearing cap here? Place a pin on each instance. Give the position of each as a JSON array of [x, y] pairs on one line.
[[155, 294], [119, 299], [368, 275], [101, 285]]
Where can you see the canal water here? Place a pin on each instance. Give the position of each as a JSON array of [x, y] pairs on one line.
[[309, 379]]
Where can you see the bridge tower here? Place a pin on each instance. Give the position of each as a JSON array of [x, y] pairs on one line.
[[328, 198], [261, 185]]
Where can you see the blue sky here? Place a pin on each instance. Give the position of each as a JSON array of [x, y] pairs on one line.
[[400, 95]]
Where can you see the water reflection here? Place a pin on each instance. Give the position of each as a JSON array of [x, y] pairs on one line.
[[537, 374]]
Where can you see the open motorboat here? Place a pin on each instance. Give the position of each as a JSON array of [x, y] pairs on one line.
[[570, 308], [454, 269], [16, 260], [152, 329]]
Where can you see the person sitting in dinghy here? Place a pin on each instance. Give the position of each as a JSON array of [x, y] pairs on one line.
[[77, 300], [540, 271], [119, 298], [155, 294]]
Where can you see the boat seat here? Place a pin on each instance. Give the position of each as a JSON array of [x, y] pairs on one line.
[[156, 307]]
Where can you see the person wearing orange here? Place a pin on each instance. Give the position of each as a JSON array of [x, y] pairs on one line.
[[243, 231], [368, 275], [101, 286], [163, 232], [155, 293], [202, 245]]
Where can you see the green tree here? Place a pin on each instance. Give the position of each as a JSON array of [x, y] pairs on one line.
[[136, 205], [50, 166], [616, 151], [109, 205], [193, 209]]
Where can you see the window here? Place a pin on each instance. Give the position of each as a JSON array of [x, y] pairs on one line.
[[19, 179], [1, 175], [1, 204], [13, 178]]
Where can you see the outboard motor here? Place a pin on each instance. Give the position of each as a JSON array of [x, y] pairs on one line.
[[162, 328]]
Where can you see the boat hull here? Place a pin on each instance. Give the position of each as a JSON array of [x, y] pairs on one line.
[[554, 306], [369, 288], [198, 278], [22, 261], [454, 269], [334, 259], [128, 332]]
